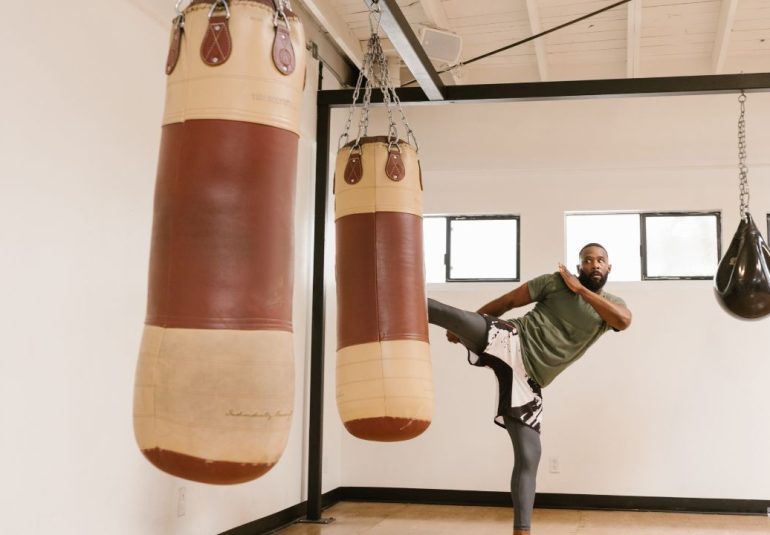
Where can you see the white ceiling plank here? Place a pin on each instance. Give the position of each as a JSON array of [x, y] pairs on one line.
[[325, 13], [534, 23], [436, 14], [634, 38], [722, 39]]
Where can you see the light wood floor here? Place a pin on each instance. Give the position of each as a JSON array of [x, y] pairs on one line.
[[407, 519]]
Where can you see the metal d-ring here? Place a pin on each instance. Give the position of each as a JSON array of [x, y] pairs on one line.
[[179, 19], [216, 4]]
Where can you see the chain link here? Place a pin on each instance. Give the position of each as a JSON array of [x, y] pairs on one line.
[[374, 74], [743, 169]]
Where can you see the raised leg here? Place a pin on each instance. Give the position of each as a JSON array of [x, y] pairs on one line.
[[470, 327]]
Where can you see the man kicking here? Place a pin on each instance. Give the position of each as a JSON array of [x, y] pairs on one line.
[[528, 352]]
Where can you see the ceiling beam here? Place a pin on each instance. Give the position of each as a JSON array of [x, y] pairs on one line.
[[328, 17], [722, 39], [409, 48], [634, 38], [667, 85], [534, 23]]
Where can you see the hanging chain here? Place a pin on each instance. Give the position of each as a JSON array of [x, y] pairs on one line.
[[743, 170], [374, 74]]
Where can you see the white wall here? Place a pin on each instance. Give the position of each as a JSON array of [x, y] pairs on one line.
[[675, 406], [82, 92]]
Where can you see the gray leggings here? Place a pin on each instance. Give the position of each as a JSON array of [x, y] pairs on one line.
[[471, 328]]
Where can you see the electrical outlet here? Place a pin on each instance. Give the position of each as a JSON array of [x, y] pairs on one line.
[[553, 465], [181, 504]]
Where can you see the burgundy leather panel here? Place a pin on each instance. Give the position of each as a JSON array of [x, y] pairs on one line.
[[223, 231], [380, 280], [203, 470], [356, 280], [386, 428]]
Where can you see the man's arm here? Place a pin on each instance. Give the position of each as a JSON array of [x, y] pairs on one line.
[[617, 316], [513, 299]]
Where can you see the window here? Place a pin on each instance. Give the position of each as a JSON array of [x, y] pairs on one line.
[[650, 245], [619, 233], [471, 248]]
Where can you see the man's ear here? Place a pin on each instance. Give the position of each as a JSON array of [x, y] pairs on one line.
[[609, 268], [577, 268]]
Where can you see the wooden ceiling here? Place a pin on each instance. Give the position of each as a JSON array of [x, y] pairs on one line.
[[643, 38]]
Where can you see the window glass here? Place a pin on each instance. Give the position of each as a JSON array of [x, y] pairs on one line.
[[483, 248], [617, 232], [681, 246]]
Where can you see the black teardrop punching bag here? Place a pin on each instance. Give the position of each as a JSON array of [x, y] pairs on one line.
[[742, 281]]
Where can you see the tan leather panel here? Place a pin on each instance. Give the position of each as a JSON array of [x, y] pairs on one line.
[[375, 191], [248, 86], [385, 380], [223, 239], [380, 279], [222, 396]]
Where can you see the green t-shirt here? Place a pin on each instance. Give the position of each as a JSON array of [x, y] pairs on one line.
[[560, 328]]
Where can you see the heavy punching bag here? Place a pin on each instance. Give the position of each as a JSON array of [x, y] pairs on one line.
[[384, 385], [214, 387], [742, 281]]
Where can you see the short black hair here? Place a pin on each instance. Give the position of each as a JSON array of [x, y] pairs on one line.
[[592, 244]]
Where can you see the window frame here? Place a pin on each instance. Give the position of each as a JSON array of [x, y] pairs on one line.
[[448, 245], [643, 241]]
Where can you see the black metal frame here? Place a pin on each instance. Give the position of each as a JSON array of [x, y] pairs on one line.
[[448, 254], [643, 242], [682, 85]]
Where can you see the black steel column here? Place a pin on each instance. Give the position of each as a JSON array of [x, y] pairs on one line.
[[315, 431]]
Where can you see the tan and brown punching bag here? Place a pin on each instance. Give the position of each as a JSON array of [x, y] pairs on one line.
[[384, 385], [214, 389]]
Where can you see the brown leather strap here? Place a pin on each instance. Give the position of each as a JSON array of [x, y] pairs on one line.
[[354, 170], [176, 45], [217, 43], [283, 51], [394, 167]]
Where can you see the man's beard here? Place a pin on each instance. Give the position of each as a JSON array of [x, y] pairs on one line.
[[592, 284]]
